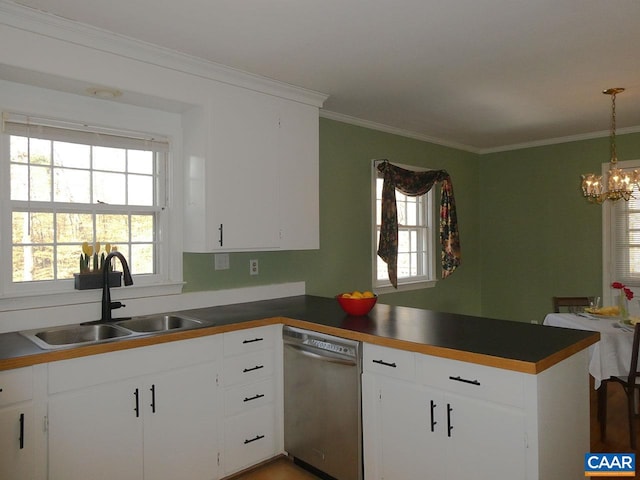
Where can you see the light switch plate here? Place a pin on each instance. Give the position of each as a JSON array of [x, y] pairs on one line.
[[221, 261]]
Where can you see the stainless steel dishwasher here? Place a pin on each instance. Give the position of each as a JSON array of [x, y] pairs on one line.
[[322, 408]]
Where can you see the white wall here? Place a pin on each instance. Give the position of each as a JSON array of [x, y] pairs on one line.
[[46, 66]]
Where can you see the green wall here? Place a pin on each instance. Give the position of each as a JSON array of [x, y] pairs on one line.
[[526, 232], [344, 259], [541, 237]]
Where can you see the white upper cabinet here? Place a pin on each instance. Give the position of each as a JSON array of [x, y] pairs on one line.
[[251, 173], [299, 176]]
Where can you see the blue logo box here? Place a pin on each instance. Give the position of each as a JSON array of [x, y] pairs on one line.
[[609, 464]]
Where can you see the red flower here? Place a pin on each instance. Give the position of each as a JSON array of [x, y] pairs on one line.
[[627, 291]]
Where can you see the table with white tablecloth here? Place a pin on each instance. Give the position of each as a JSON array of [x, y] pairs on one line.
[[610, 356]]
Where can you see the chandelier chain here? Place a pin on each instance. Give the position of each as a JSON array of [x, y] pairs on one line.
[[614, 156]]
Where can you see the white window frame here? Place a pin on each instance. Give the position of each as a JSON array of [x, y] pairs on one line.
[[610, 237], [427, 280], [114, 117]]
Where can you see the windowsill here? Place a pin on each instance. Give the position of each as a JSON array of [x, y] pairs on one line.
[[405, 287], [14, 302]]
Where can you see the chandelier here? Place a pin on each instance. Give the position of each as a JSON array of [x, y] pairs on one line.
[[619, 183]]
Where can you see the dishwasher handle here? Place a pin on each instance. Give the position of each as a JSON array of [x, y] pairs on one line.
[[326, 358]]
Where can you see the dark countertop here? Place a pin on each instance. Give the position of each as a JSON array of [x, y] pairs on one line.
[[516, 346]]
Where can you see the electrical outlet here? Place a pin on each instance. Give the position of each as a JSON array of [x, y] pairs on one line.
[[253, 267]]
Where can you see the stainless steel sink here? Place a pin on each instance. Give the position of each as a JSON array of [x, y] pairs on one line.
[[75, 335], [159, 323], [94, 332]]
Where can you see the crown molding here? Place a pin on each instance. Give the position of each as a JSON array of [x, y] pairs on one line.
[[59, 28], [340, 117], [467, 148], [557, 140]]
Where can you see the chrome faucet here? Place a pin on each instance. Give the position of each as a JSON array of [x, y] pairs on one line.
[[107, 304]]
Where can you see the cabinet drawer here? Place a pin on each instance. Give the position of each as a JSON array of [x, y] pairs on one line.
[[247, 397], [248, 368], [388, 361], [250, 340], [249, 438], [478, 381], [16, 386]]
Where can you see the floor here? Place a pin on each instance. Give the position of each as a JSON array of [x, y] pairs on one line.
[[280, 469], [617, 423], [617, 441]]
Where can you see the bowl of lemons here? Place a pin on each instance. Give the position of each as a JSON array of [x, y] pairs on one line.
[[357, 303]]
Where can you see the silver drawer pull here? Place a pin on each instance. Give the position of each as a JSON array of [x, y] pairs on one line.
[[464, 380]]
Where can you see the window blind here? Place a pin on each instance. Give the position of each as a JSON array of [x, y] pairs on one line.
[[49, 129], [625, 225]]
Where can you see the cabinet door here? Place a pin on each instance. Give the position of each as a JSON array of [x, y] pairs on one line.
[[411, 431], [180, 415], [487, 440], [299, 176], [96, 433], [242, 173], [17, 437]]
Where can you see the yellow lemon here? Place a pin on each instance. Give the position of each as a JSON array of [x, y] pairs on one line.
[[368, 294], [346, 295], [356, 294]]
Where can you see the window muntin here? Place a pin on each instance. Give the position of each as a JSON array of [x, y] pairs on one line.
[[415, 238], [74, 190]]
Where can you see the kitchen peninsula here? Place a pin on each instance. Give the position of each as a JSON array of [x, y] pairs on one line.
[[516, 394]]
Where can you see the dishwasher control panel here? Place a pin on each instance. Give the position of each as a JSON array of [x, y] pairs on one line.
[[330, 346], [320, 341]]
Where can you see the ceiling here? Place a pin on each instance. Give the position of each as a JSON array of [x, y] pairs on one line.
[[482, 75]]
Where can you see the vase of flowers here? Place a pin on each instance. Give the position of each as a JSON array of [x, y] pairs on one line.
[[91, 268], [625, 294]]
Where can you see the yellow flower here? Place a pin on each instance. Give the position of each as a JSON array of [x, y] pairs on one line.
[[87, 249]]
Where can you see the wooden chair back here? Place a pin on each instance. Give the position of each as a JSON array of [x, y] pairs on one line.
[[634, 373], [568, 302]]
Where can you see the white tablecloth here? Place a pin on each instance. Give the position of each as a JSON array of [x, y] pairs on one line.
[[612, 354]]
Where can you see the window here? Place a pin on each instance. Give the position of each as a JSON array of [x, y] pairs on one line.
[[415, 238], [71, 184], [621, 223]]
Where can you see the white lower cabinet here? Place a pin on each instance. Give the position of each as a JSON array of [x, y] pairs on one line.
[[487, 440], [180, 424], [17, 425], [95, 433], [429, 417], [249, 438], [252, 379], [408, 447], [426, 431], [152, 426]]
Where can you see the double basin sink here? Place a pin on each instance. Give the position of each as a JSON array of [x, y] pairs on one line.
[[95, 332]]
